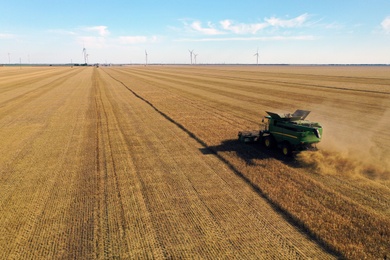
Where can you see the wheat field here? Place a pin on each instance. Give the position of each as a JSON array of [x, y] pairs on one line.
[[144, 163]]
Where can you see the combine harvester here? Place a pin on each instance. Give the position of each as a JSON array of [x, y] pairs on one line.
[[290, 132]]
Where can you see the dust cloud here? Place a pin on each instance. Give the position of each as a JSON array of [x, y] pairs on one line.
[[331, 163], [353, 149]]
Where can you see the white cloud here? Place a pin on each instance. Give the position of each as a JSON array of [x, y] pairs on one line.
[[93, 42], [132, 39], [386, 24], [210, 30], [242, 28], [136, 39], [7, 36], [98, 42], [229, 26], [334, 25], [101, 30], [295, 22], [270, 38], [61, 31]]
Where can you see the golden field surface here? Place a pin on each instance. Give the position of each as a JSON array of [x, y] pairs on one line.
[[144, 162]]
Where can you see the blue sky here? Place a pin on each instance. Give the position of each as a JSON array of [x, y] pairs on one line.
[[226, 31]]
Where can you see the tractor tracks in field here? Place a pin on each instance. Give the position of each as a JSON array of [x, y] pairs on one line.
[[163, 83], [106, 166], [155, 238], [166, 116], [225, 160]]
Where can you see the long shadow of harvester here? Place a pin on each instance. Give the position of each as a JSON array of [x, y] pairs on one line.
[[249, 152]]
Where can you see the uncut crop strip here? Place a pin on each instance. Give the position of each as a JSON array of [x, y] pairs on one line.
[[150, 92]]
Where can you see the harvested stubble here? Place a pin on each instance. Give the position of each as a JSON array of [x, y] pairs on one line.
[[92, 171], [348, 213]]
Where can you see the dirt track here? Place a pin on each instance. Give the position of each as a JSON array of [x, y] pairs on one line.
[[143, 162]]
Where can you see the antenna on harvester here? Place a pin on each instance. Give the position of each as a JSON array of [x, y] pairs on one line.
[[195, 55], [146, 58], [257, 56], [191, 52]]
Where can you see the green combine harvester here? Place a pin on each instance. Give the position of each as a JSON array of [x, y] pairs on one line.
[[290, 132]]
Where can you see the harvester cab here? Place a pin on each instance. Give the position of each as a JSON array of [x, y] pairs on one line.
[[290, 132]]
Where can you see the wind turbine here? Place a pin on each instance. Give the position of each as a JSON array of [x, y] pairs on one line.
[[146, 58], [257, 56], [195, 55], [9, 58], [85, 55], [191, 52]]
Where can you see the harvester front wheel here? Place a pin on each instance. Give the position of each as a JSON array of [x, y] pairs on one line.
[[286, 149], [269, 142]]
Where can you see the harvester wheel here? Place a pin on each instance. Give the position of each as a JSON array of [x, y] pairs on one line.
[[286, 149], [269, 142]]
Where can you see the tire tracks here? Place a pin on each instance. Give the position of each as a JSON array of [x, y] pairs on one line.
[[288, 217], [105, 164], [161, 251]]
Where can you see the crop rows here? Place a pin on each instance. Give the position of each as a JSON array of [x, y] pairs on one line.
[[341, 198], [91, 170]]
